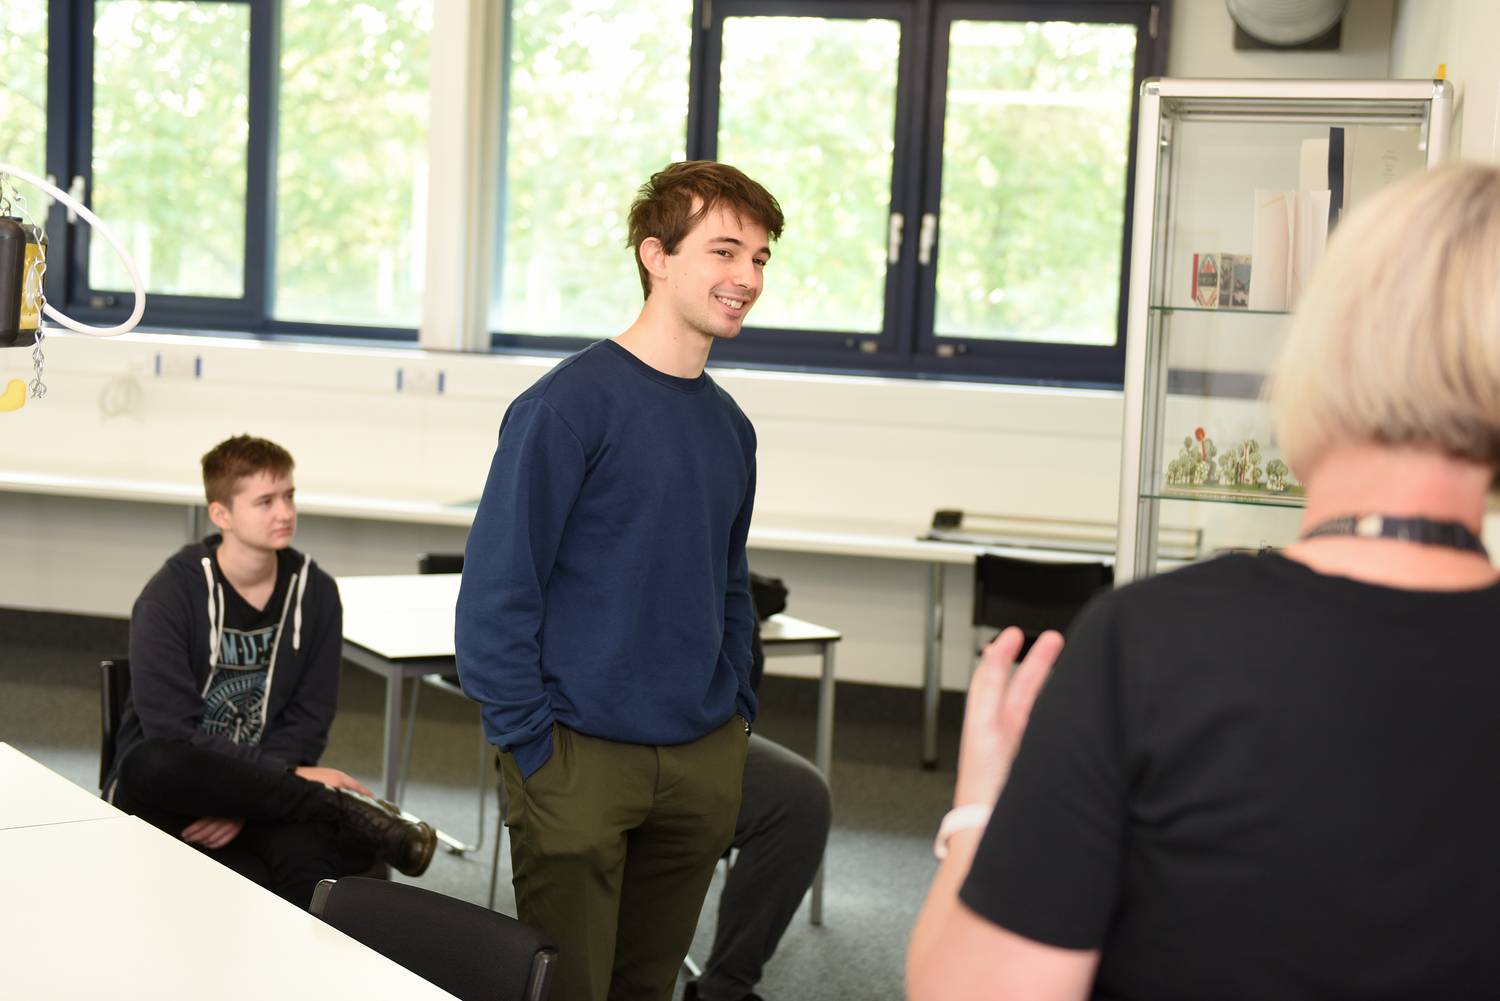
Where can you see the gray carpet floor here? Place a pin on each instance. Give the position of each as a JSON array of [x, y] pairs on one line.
[[886, 807]]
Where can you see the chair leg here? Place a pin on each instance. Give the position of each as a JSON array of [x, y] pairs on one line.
[[484, 760], [411, 728]]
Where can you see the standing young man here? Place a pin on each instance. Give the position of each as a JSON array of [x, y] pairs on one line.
[[235, 648], [604, 619]]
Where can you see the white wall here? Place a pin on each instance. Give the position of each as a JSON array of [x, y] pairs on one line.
[[834, 449], [1202, 45], [1462, 34], [837, 450]]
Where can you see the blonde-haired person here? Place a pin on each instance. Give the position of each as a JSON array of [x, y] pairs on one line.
[[1273, 776]]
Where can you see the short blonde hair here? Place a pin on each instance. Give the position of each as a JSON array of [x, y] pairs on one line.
[[1397, 339]]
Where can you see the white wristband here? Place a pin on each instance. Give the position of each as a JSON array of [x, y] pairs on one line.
[[960, 818]]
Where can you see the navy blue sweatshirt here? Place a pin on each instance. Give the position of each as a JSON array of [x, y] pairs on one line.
[[605, 583]]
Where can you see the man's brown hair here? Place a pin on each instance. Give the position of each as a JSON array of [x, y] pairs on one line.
[[663, 208], [232, 460]]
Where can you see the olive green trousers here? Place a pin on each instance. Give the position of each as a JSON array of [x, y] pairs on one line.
[[613, 847]]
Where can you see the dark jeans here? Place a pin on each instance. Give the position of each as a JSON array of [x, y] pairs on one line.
[[290, 840], [785, 812]]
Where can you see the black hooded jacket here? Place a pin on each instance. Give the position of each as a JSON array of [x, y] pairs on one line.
[[174, 640]]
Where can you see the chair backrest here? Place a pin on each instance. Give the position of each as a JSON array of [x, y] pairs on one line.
[[1035, 596], [440, 563], [114, 690], [469, 951]]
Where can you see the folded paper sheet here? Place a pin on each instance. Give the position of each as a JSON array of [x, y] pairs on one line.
[[1289, 233]]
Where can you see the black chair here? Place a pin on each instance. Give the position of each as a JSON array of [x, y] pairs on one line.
[[431, 563], [468, 951], [114, 690], [1034, 595]]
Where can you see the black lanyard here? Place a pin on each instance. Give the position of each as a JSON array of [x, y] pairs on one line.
[[1448, 534]]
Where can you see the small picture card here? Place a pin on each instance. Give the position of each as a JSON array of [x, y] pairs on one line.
[[1234, 281], [1206, 281]]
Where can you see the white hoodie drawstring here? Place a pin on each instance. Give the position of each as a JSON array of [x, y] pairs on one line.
[[297, 612], [216, 624], [299, 583], [215, 620]]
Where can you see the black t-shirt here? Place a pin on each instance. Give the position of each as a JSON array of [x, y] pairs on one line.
[[1245, 779], [235, 697]]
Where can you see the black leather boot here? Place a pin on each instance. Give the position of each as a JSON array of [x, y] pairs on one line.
[[407, 845]]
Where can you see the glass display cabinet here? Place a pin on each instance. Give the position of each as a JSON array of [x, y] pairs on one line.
[[1238, 184]]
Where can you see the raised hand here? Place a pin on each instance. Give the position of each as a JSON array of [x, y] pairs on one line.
[[998, 708]]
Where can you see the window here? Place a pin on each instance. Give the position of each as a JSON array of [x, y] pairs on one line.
[[23, 92], [169, 142], [596, 100], [264, 161], [955, 175], [351, 164]]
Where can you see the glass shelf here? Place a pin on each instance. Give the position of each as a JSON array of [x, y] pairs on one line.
[[1213, 495], [1220, 312], [1215, 163]]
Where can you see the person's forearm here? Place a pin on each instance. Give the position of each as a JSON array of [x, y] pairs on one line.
[[941, 904]]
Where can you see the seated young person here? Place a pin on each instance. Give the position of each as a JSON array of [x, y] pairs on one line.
[[235, 650], [779, 835], [1268, 776]]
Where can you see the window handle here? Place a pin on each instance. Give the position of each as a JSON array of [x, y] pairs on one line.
[[76, 191], [926, 238], [893, 240]]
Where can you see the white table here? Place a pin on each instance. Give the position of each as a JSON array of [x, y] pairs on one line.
[[32, 795], [94, 903], [117, 909], [400, 626]]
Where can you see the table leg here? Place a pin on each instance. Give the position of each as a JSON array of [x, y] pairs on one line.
[[391, 748], [823, 758], [932, 668]]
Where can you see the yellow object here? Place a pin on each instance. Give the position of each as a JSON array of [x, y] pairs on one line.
[[13, 397], [1442, 72]]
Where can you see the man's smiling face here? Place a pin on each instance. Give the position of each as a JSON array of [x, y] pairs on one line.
[[717, 273]]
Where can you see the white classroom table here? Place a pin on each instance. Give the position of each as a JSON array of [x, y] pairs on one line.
[[400, 626], [110, 907], [32, 795]]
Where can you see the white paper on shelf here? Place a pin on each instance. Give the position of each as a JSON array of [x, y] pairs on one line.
[[1270, 249], [1312, 165], [1378, 155], [1309, 237]]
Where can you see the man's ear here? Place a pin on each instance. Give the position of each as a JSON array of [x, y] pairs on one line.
[[654, 258], [219, 515]]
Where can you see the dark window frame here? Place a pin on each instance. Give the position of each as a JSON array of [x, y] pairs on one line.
[[70, 86], [907, 345]]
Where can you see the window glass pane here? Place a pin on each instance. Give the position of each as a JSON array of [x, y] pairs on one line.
[[351, 161], [1035, 144], [23, 94], [171, 83], [596, 102], [807, 107]]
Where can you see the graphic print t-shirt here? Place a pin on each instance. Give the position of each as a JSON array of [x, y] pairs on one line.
[[233, 703]]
